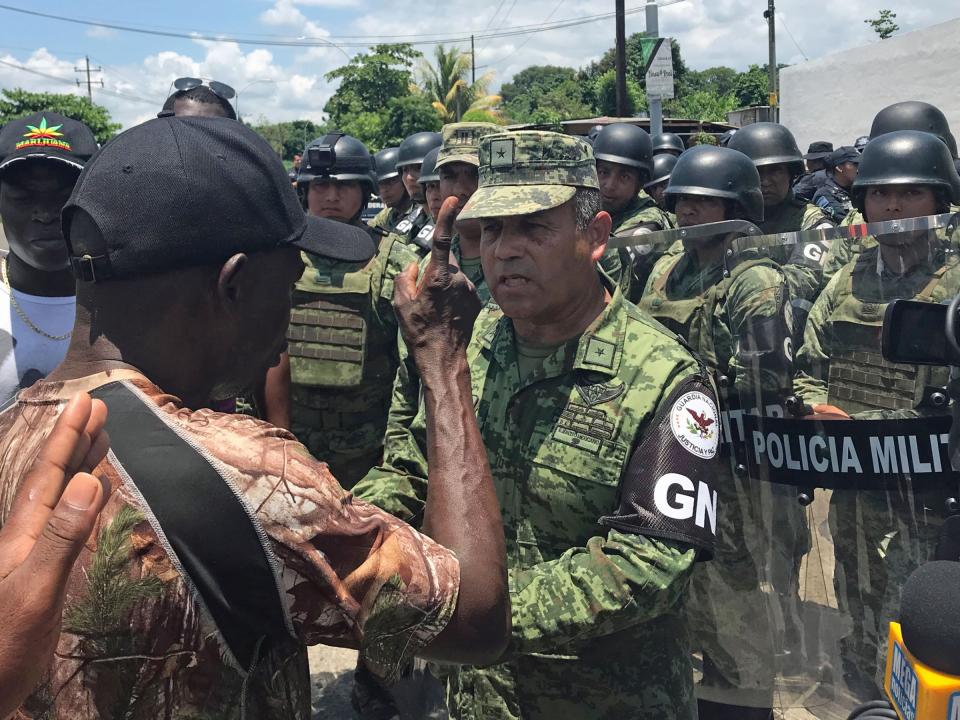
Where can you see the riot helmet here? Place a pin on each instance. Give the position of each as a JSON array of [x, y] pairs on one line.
[[711, 171], [414, 148], [724, 139], [907, 157], [666, 143], [663, 165], [625, 144], [385, 163], [428, 168], [338, 157], [593, 132], [914, 115], [769, 144]]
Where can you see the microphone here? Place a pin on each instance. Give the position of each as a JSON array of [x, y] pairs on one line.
[[922, 676]]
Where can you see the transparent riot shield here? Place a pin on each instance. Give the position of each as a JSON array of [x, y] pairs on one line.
[[836, 479]]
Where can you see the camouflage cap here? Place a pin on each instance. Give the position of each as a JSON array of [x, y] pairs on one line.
[[528, 171], [461, 141]]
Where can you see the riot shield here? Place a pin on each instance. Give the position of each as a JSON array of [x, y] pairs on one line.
[[835, 480]]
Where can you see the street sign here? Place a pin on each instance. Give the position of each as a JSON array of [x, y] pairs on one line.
[[660, 72]]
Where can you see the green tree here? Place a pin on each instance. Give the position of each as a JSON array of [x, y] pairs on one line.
[[544, 94], [604, 95], [752, 87], [445, 83], [717, 81], [15, 103], [289, 138], [703, 105], [407, 115], [883, 25]]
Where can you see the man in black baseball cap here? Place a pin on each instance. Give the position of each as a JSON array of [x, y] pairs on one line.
[[807, 185], [833, 197], [186, 238], [41, 156]]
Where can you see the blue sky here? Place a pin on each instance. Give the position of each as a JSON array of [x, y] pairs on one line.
[[284, 83]]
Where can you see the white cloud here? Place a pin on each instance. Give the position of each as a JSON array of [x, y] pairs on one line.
[[330, 3], [99, 31]]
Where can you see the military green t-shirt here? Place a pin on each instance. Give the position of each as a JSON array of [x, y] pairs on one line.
[[473, 269], [531, 354]]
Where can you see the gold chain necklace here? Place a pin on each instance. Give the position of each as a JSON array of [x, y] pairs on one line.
[[23, 316]]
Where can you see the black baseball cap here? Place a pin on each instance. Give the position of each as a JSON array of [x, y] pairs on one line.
[[818, 150], [845, 153], [46, 136], [185, 191]]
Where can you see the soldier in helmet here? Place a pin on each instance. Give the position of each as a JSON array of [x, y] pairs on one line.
[[834, 197], [807, 184], [332, 387], [390, 188], [624, 165], [861, 142], [909, 115], [410, 156], [593, 132], [429, 180], [735, 317], [669, 143], [663, 165], [881, 536]]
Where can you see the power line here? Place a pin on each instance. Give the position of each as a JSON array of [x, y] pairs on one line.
[[89, 81], [784, 23], [323, 42], [71, 81], [521, 45], [495, 13]]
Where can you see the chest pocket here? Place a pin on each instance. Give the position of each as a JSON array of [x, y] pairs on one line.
[[328, 329], [574, 479]]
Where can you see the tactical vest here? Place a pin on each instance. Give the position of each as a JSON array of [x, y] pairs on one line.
[[790, 216], [335, 341], [860, 379]]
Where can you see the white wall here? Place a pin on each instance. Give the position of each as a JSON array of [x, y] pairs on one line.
[[835, 97]]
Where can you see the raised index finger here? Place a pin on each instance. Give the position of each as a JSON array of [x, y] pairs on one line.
[[442, 237]]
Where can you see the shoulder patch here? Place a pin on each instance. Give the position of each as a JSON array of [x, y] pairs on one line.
[[694, 422]]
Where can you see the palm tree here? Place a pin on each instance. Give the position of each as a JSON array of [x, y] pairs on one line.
[[445, 84]]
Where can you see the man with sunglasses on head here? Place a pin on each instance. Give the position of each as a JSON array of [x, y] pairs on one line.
[[192, 97], [41, 156]]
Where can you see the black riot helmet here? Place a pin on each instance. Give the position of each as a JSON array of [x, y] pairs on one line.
[[663, 165], [594, 131], [428, 169], [914, 115], [625, 144], [711, 171], [907, 157], [414, 148], [667, 142], [385, 163], [340, 157], [769, 144], [724, 139]]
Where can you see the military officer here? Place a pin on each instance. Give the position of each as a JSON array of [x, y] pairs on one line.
[[624, 164], [834, 196], [598, 630], [669, 143], [909, 115], [410, 157], [735, 318], [343, 353], [881, 536], [397, 203]]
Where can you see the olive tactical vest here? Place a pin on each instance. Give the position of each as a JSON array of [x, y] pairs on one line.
[[860, 379]]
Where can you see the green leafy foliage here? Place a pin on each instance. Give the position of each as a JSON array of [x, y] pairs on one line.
[[883, 25], [544, 94], [15, 103], [289, 138]]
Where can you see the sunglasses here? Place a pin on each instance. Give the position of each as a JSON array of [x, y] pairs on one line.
[[221, 90]]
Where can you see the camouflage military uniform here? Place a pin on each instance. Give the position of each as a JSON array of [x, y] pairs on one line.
[[413, 225], [642, 210], [729, 615], [802, 265], [880, 536], [598, 628], [343, 357]]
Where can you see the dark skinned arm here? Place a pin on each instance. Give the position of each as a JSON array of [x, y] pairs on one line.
[[273, 396], [462, 512]]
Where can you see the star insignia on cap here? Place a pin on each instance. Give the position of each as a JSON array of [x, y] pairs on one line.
[[42, 131], [501, 152]]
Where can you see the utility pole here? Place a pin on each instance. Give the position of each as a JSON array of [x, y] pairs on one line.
[[656, 104], [621, 55], [772, 84], [89, 81], [473, 63]]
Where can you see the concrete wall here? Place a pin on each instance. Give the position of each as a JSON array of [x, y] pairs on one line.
[[835, 97]]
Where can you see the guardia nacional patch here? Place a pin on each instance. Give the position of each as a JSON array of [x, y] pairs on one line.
[[693, 420]]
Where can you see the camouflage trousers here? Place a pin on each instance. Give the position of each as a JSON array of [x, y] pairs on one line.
[[879, 538]]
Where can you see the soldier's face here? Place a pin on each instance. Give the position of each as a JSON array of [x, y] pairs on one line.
[[774, 184], [434, 198], [897, 202], [334, 199], [392, 192], [696, 210], [410, 174], [540, 266], [619, 184], [657, 191], [32, 194]]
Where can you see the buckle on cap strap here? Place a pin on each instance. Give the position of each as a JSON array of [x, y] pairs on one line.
[[91, 268]]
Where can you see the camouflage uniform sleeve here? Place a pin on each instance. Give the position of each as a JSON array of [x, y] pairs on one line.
[[381, 219], [841, 252], [813, 360], [615, 581]]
